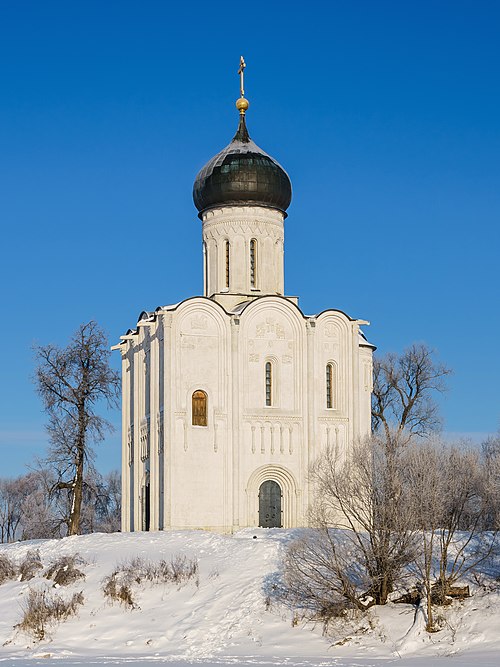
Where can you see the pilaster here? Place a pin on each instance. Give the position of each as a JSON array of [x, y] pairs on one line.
[[138, 372], [168, 422], [154, 407], [125, 480], [232, 467], [310, 404]]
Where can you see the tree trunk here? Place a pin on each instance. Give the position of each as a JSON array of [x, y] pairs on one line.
[[430, 620], [76, 501], [384, 590]]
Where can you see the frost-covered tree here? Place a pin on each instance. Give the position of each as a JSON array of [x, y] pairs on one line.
[[26, 509], [40, 515], [109, 506], [32, 507], [491, 457], [363, 493], [364, 534], [403, 393], [11, 494], [73, 383], [448, 503]]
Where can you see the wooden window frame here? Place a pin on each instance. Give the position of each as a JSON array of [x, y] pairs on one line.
[[199, 408]]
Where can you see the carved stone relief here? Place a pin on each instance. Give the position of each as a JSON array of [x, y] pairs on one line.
[[270, 329], [199, 322], [331, 331]]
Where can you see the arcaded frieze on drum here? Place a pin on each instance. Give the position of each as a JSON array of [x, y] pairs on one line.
[[242, 213]]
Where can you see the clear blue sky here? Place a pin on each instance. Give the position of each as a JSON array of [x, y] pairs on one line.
[[385, 114]]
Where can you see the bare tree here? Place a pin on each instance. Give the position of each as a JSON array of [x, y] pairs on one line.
[[364, 537], [449, 501], [491, 458], [109, 508], [40, 515], [12, 492], [403, 388], [72, 382], [423, 475], [102, 506], [26, 509], [366, 533], [463, 544], [322, 575], [32, 507]]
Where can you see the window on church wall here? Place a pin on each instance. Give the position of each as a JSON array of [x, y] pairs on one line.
[[159, 423], [199, 408], [269, 383], [330, 385], [130, 444], [144, 439], [253, 263], [227, 252]]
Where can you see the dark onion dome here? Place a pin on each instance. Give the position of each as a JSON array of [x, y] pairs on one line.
[[242, 174]]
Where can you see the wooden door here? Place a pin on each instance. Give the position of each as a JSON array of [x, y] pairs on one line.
[[270, 505]]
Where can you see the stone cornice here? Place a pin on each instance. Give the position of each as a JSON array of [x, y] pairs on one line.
[[273, 418], [243, 212], [243, 224]]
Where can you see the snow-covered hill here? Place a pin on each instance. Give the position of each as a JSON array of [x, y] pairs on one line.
[[223, 614]]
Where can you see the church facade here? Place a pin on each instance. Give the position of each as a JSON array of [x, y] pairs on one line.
[[229, 397]]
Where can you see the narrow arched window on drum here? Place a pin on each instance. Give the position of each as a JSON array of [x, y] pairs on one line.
[[269, 384]]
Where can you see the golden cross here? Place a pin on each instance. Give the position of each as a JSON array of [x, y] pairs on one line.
[[241, 73]]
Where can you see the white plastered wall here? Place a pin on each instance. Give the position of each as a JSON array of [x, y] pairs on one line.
[[239, 225], [273, 441], [198, 460]]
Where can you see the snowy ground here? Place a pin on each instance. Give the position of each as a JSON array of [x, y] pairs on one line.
[[224, 618]]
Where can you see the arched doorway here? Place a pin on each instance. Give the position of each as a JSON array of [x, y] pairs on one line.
[[290, 496], [146, 505], [270, 505]]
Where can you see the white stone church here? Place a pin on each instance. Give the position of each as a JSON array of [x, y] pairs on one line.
[[229, 397]]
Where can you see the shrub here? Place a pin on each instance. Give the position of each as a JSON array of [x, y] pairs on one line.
[[118, 586], [179, 570], [7, 569], [43, 609], [63, 571], [321, 577], [30, 565], [118, 591]]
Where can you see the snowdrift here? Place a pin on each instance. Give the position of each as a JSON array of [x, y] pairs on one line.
[[222, 614]]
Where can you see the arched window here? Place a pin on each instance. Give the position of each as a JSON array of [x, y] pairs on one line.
[[199, 408], [330, 383], [253, 263], [269, 383], [227, 253]]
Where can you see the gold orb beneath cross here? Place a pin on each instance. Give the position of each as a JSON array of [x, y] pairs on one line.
[[242, 104]]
